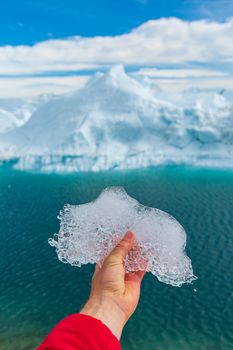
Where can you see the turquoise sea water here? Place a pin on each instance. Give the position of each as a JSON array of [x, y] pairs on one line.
[[36, 290]]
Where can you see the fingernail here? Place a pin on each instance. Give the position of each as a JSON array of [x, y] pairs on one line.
[[129, 235]]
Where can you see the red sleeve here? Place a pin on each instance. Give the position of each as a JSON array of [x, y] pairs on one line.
[[80, 332]]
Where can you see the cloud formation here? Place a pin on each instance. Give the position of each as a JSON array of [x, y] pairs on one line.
[[181, 73], [33, 86], [163, 41]]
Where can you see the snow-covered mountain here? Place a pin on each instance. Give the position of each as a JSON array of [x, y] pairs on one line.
[[119, 121]]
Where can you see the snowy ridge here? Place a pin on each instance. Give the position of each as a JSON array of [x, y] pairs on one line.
[[119, 121], [16, 112]]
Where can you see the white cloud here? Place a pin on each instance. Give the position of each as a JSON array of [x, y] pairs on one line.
[[167, 41], [162, 41], [33, 86], [181, 73], [174, 85]]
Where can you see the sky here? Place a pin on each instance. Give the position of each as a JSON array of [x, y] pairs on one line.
[[55, 45]]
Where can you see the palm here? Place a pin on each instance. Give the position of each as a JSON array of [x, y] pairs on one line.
[[123, 288]]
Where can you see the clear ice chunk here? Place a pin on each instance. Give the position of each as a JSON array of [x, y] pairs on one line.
[[89, 232]]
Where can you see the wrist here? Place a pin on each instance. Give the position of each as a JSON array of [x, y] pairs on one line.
[[107, 311]]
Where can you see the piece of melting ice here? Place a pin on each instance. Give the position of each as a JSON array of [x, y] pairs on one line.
[[89, 232]]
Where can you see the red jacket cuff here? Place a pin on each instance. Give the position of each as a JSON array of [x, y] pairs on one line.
[[80, 332]]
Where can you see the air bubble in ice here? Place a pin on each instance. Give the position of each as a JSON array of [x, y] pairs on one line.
[[89, 232]]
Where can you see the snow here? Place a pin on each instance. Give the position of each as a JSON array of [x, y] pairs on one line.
[[7, 121], [16, 112], [120, 121]]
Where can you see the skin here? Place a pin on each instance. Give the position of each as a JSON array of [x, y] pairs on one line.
[[114, 294]]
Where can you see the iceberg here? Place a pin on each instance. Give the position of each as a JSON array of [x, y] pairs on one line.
[[8, 121], [119, 121], [89, 232], [16, 112]]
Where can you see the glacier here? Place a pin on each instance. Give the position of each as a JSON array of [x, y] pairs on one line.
[[120, 121]]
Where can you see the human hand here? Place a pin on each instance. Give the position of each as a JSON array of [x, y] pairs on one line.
[[114, 294]]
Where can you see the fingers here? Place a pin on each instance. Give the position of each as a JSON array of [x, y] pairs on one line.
[[123, 246], [133, 285], [140, 275], [135, 276], [97, 268]]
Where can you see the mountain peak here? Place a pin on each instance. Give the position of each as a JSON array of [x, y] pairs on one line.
[[117, 78], [117, 70]]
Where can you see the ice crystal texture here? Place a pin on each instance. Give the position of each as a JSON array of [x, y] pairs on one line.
[[89, 232]]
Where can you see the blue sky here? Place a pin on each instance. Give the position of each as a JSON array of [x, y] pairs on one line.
[[30, 21], [55, 45]]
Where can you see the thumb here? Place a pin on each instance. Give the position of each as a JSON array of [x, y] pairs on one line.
[[123, 247]]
